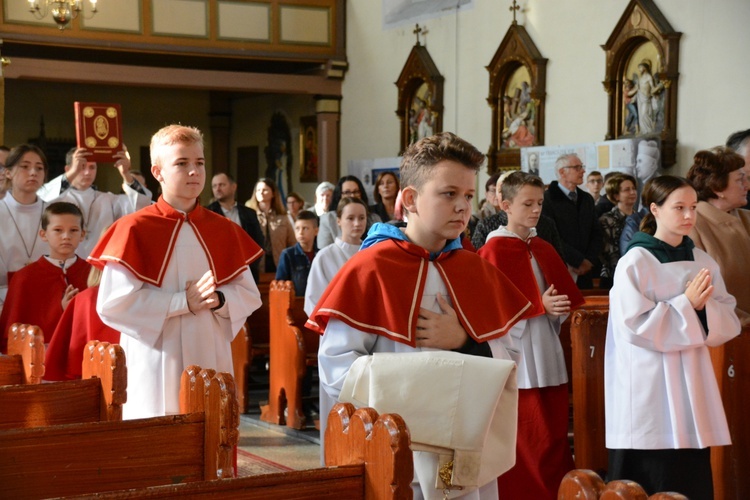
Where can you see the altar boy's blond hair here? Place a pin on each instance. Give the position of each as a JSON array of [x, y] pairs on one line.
[[420, 157], [173, 134]]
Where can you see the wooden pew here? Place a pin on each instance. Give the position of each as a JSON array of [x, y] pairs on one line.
[[583, 484], [293, 349], [731, 464], [84, 458], [99, 396], [24, 363], [241, 365], [367, 457], [588, 331]]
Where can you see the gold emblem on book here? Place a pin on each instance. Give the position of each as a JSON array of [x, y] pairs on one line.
[[90, 142], [101, 127], [113, 142], [111, 112], [88, 111]]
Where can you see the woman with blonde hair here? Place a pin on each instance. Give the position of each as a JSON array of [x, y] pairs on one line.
[[272, 216]]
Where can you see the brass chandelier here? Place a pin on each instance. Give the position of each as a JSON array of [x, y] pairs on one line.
[[62, 11]]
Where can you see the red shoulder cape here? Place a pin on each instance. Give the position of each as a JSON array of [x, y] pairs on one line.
[[79, 323], [144, 241], [379, 291], [513, 257], [34, 295]]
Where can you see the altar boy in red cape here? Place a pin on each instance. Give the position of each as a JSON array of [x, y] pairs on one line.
[[418, 289], [39, 292], [175, 280], [542, 450]]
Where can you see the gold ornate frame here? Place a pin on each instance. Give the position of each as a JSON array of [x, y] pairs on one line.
[[517, 50], [642, 26], [419, 74]]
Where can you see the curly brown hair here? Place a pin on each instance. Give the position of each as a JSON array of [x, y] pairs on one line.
[[710, 171]]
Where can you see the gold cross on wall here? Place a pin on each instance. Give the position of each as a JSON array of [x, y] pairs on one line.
[[514, 8]]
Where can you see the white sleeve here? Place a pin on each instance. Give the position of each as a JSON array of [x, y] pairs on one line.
[[121, 293], [507, 347], [721, 316], [51, 190], [131, 201], [340, 346], [317, 282], [242, 299], [667, 325]]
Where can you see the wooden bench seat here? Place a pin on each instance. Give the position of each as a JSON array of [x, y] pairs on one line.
[[71, 459], [24, 363], [99, 396], [583, 484], [367, 457]]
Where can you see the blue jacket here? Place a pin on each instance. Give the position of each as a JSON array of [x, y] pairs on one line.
[[295, 266]]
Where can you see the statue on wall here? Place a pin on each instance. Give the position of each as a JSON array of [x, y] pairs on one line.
[[278, 154], [646, 91]]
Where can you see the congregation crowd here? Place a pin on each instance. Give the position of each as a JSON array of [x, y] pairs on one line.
[[412, 269]]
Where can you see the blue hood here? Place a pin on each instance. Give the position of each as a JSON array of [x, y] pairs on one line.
[[381, 232]]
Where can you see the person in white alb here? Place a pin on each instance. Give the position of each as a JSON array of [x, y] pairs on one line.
[[176, 281], [21, 213], [100, 209]]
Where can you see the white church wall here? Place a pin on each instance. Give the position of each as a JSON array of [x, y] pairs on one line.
[[713, 100]]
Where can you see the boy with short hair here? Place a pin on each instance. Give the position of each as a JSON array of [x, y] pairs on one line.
[[295, 261], [543, 454], [40, 291], [417, 289], [594, 185], [175, 280]]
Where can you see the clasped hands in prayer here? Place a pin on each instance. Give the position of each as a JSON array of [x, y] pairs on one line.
[[555, 304], [699, 289], [201, 294]]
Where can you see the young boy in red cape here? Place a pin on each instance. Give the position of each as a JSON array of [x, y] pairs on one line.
[[39, 292], [79, 323], [176, 282], [542, 450], [416, 288]]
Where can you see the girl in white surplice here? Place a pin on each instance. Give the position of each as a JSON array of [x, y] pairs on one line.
[[667, 305]]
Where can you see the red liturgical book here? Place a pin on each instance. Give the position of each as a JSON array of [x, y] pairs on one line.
[[99, 129]]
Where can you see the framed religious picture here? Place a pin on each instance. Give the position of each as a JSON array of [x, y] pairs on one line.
[[641, 77], [518, 75], [420, 96], [308, 149]]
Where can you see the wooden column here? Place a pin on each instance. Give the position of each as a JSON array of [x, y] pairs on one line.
[[220, 114], [328, 110], [3, 63]]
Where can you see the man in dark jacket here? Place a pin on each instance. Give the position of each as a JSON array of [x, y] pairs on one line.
[[224, 188], [573, 212]]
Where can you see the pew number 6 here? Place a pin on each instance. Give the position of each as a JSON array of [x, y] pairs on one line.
[[730, 371]]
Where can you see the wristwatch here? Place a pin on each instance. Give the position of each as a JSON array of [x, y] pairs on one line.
[[222, 300]]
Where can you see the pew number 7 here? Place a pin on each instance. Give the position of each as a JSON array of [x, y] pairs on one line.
[[593, 348]]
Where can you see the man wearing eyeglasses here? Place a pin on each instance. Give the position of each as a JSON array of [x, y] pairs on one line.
[[572, 209]]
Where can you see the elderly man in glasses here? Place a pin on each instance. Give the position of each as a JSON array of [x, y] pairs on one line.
[[572, 209]]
